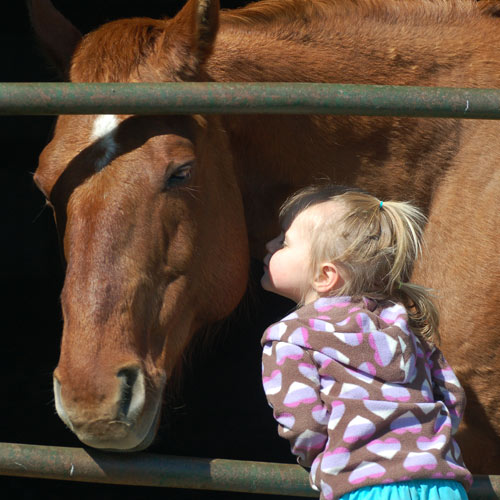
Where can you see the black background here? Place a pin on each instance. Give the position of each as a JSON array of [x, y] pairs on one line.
[[219, 411]]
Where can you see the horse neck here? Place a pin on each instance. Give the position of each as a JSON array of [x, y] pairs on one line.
[[423, 42], [377, 42], [273, 155]]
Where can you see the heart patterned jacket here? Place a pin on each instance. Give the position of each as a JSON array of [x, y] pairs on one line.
[[361, 398]]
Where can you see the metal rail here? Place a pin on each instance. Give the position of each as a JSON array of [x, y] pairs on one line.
[[148, 469], [247, 98]]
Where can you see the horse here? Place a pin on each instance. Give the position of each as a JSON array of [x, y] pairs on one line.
[[158, 216]]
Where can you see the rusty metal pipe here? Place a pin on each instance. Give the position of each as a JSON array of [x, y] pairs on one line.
[[247, 98], [147, 469]]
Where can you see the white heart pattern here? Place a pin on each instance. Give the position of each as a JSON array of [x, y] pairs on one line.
[[434, 443], [366, 470], [384, 448], [358, 428], [335, 461]]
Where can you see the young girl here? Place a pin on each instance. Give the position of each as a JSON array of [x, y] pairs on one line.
[[354, 376]]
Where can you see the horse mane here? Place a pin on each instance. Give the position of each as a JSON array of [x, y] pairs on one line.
[[276, 12], [117, 50]]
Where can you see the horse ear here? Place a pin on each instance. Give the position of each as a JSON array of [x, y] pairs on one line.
[[56, 35], [196, 25]]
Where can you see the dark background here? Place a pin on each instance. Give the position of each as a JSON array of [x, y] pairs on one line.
[[219, 411]]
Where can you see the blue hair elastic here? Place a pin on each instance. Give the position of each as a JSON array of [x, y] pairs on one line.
[[381, 204]]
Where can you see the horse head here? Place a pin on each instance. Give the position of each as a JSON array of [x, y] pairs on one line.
[[150, 219]]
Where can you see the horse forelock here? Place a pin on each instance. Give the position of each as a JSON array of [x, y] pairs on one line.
[[116, 51]]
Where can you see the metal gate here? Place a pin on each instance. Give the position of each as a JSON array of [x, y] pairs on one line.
[[146, 469]]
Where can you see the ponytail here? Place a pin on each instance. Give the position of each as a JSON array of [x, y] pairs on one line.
[[374, 244], [407, 224], [422, 313]]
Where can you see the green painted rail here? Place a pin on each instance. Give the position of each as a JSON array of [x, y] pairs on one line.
[[247, 98], [148, 469]]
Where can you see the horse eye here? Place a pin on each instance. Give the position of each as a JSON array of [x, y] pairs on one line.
[[179, 176]]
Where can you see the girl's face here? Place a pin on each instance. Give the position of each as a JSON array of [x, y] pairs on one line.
[[287, 263]]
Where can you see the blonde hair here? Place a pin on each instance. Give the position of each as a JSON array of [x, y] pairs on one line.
[[374, 244]]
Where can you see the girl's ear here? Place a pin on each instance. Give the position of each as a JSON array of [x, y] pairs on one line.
[[327, 279]]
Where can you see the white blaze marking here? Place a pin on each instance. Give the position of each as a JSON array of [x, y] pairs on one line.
[[104, 130]]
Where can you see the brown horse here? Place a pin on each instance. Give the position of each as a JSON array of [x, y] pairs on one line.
[[157, 214]]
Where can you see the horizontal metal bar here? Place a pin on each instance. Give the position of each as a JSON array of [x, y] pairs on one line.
[[148, 469], [246, 98]]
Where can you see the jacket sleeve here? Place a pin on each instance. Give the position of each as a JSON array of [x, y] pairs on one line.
[[292, 386], [447, 388]]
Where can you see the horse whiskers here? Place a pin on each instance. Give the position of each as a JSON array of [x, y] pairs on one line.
[[192, 190]]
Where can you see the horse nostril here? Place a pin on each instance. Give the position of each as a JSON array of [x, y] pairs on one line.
[[130, 390]]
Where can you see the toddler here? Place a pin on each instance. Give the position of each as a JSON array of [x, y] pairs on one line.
[[354, 376]]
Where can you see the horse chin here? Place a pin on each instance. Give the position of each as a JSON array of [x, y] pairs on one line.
[[129, 438], [146, 441]]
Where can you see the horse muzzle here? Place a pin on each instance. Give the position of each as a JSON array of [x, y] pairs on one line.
[[125, 420]]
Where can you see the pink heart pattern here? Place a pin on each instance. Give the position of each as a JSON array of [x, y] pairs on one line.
[[446, 375], [299, 394], [360, 375], [287, 420], [358, 428], [272, 384], [276, 331], [385, 448], [367, 368], [384, 347], [365, 323], [326, 385], [326, 490], [320, 414], [335, 461], [325, 304], [426, 391], [285, 351], [366, 470], [357, 400], [353, 391], [407, 422], [390, 314], [383, 409], [307, 441], [352, 339], [338, 409], [434, 443], [299, 337], [395, 392], [335, 354], [442, 421], [415, 461], [321, 325], [309, 372]]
